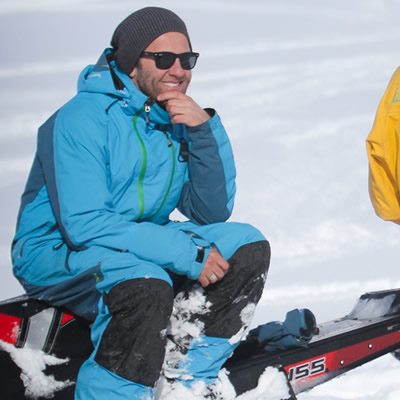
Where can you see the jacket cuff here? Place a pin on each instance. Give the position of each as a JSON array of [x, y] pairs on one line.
[[198, 263], [202, 250]]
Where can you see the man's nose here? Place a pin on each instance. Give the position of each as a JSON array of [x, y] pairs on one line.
[[176, 68]]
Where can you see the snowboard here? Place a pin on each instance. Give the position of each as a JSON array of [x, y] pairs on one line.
[[369, 331]]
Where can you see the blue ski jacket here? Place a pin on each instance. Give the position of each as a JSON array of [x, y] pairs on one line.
[[110, 168]]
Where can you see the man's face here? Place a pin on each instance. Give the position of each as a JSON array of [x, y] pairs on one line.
[[153, 81]]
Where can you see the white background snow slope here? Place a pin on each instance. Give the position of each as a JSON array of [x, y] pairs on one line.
[[297, 84]]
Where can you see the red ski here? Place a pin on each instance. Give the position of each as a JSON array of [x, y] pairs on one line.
[[371, 330]]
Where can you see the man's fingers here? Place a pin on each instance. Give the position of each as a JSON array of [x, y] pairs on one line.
[[224, 265], [204, 281], [182, 108], [214, 268], [220, 261], [218, 273]]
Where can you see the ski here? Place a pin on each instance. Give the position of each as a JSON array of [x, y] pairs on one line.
[[371, 330]]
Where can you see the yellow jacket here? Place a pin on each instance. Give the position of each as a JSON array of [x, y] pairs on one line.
[[384, 154]]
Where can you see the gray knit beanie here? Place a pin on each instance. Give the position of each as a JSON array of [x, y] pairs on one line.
[[138, 30]]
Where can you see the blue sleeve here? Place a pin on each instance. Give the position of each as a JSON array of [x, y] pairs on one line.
[[73, 150], [208, 195]]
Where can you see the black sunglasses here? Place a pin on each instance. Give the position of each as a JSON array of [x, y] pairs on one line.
[[165, 59]]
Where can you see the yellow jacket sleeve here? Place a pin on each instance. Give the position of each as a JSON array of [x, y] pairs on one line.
[[383, 154]]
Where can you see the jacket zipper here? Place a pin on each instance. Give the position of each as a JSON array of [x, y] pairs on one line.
[[144, 159], [171, 146], [146, 108]]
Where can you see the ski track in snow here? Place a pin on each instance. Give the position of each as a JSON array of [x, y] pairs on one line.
[[297, 86]]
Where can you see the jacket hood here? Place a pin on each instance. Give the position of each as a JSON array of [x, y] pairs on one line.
[[99, 79]]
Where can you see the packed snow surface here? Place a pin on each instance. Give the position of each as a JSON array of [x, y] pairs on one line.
[[271, 386]]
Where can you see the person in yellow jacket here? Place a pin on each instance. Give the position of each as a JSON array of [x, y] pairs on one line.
[[383, 147]]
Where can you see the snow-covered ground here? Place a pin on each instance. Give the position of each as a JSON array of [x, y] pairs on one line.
[[297, 84]]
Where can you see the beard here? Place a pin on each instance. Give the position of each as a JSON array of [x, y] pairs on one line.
[[152, 84]]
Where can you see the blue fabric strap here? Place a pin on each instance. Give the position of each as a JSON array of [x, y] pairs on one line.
[[296, 331]]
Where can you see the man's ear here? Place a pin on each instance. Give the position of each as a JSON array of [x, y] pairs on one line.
[[132, 75]]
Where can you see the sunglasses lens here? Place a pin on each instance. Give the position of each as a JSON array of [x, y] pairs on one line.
[[188, 60], [165, 60]]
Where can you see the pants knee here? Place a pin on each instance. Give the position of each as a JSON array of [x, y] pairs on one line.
[[134, 294], [242, 286], [251, 260], [132, 345]]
